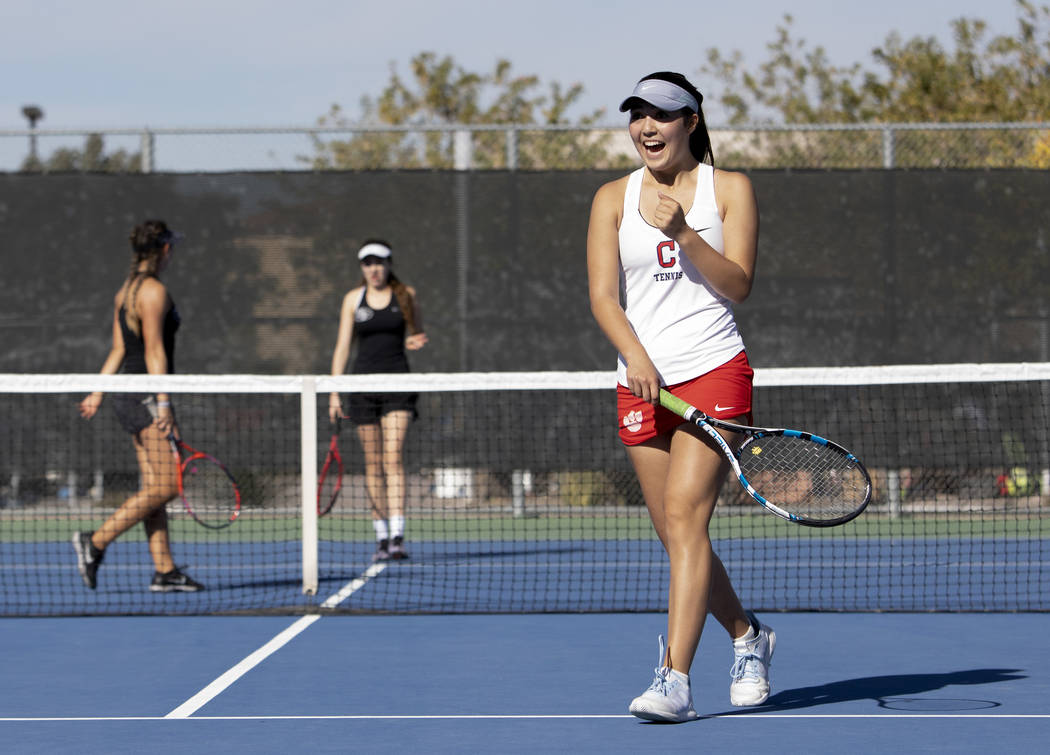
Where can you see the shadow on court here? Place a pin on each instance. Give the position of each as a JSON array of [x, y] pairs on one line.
[[452, 557], [880, 688], [495, 553]]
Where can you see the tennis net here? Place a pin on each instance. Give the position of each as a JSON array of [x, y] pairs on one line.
[[520, 498]]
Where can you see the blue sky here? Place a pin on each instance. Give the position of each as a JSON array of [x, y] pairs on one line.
[[122, 63]]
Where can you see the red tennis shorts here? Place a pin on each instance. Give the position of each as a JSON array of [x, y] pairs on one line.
[[723, 393]]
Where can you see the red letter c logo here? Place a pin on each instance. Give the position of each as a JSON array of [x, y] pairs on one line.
[[665, 254]]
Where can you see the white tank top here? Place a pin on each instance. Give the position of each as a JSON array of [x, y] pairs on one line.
[[685, 326]]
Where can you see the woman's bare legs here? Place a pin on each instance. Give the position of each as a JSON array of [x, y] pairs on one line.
[[383, 446], [371, 438], [681, 475], [395, 427], [159, 484]]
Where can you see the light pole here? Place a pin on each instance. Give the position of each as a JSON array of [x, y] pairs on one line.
[[33, 113]]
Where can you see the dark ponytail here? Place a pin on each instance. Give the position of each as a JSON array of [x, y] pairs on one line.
[[147, 245]]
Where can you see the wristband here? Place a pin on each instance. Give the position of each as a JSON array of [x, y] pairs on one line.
[[163, 404]]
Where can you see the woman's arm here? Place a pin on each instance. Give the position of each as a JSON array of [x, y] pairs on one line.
[[416, 340], [152, 305], [91, 402], [341, 354], [733, 273], [603, 275]]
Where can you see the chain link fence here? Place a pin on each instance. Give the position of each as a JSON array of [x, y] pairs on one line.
[[857, 267], [510, 147]]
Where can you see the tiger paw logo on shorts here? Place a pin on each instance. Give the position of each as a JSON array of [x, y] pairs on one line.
[[633, 421]]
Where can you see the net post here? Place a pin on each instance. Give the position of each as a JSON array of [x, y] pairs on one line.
[[308, 475]]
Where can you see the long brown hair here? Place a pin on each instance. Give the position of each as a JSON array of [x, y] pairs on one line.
[[404, 297], [147, 245]]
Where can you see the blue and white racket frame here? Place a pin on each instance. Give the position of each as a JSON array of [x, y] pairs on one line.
[[709, 424]]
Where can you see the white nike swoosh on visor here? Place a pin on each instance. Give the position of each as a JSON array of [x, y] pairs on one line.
[[723, 408]]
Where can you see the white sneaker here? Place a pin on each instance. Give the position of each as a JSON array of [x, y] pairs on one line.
[[750, 670], [668, 697]]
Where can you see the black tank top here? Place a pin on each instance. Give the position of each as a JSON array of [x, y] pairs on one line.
[[381, 338], [135, 348]]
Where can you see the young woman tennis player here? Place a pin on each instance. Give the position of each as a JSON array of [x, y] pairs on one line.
[[383, 313], [683, 237], [144, 325]]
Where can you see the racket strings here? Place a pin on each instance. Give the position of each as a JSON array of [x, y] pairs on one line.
[[806, 478], [208, 491]]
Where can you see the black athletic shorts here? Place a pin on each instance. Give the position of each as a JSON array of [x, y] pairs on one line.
[[131, 411], [369, 408]]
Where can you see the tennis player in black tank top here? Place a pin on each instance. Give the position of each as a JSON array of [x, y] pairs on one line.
[[380, 336], [130, 408], [383, 315], [144, 324]]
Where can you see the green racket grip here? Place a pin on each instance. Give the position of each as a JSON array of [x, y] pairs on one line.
[[676, 405]]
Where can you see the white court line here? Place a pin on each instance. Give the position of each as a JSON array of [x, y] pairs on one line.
[[523, 716], [218, 686], [353, 586]]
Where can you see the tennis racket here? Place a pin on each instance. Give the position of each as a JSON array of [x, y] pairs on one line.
[[208, 490], [796, 475], [330, 480]]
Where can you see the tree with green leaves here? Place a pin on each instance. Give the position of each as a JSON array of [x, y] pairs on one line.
[[1005, 78], [439, 95], [91, 159]]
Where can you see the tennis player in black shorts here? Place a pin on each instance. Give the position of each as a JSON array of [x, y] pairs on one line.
[[144, 324], [382, 314]]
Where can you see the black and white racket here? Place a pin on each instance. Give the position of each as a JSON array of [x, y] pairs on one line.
[[796, 475], [330, 479]]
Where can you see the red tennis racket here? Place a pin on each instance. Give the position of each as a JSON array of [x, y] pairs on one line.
[[330, 479], [208, 490]]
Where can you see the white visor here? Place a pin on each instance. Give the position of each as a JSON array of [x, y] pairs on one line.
[[374, 250], [662, 94]]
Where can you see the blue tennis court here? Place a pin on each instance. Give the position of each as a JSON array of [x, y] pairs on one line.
[[507, 684], [527, 616]]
